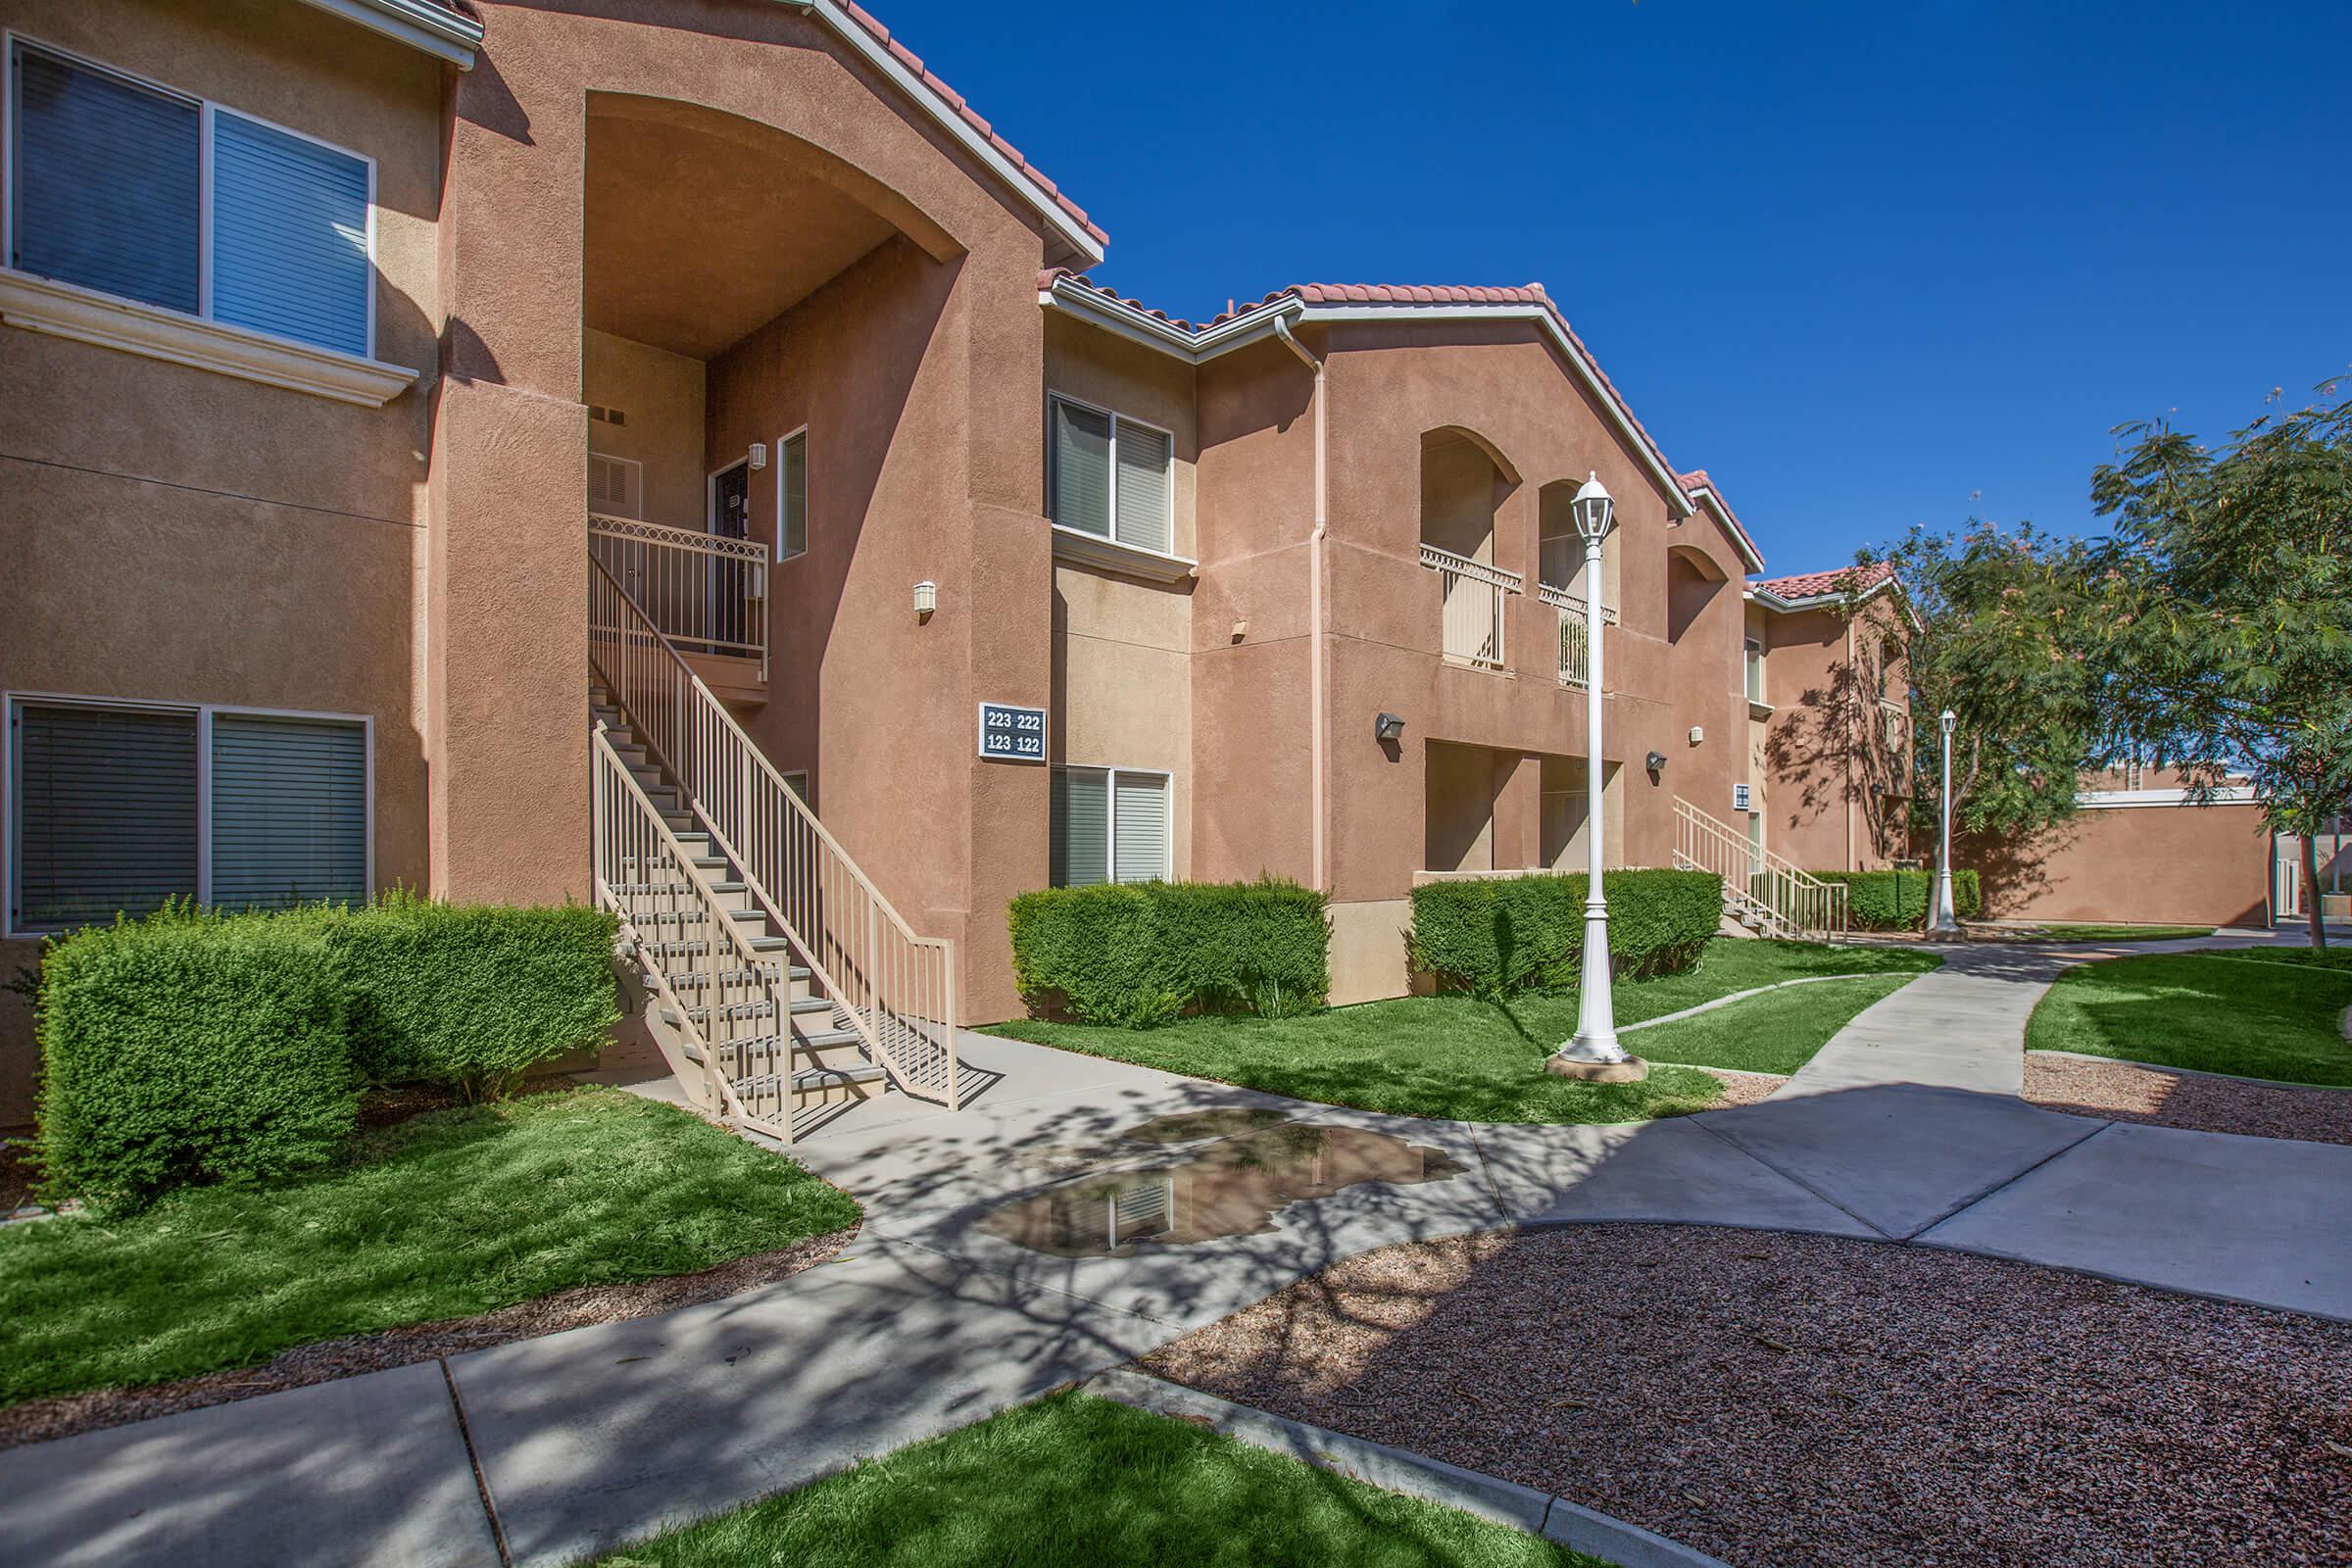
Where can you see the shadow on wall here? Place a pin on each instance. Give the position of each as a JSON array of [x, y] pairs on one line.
[[1828, 751], [2015, 869]]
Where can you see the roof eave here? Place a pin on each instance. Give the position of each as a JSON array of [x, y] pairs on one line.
[[435, 29], [1748, 551]]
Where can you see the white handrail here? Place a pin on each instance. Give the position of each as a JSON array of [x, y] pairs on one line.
[[708, 591], [1776, 891], [1475, 606], [895, 988], [1561, 599]]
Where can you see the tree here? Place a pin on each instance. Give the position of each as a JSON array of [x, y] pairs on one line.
[[1998, 635], [2225, 611]]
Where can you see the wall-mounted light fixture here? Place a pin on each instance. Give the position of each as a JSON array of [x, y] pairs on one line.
[[1657, 761], [758, 456], [1699, 734], [926, 599], [1387, 727]]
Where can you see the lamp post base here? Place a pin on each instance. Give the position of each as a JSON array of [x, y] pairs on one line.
[[1624, 1070]]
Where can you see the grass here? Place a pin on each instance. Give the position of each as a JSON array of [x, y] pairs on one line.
[[1076, 1479], [444, 1215], [2264, 1013], [1456, 1056], [2065, 932], [1777, 1031]]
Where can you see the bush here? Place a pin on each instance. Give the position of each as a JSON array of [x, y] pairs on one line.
[[1898, 900], [1500, 936], [470, 996], [1138, 955], [186, 1047]]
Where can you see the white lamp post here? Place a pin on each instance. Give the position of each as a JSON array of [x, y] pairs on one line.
[[1595, 1054], [1946, 923]]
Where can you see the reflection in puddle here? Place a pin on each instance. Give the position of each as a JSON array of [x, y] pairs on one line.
[[1233, 1188], [1190, 1126]]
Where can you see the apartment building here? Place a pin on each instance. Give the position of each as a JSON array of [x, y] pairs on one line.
[[670, 452]]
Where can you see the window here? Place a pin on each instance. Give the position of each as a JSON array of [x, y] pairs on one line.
[[1755, 844], [792, 495], [797, 781], [1112, 477], [123, 186], [1756, 670], [119, 807], [615, 486], [1109, 825], [1890, 717]]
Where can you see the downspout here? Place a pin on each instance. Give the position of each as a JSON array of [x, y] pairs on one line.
[[1317, 717], [1855, 674]]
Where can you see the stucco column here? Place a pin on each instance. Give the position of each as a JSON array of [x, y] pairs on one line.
[[1518, 811]]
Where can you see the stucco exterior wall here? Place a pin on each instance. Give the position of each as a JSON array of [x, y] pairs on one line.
[[1827, 763], [661, 393], [2149, 865], [181, 536]]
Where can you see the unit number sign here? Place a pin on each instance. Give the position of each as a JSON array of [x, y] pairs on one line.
[[1012, 734]]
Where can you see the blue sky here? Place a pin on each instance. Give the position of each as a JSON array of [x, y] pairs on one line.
[[1870, 265]]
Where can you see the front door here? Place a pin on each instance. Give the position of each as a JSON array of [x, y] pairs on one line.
[[730, 519]]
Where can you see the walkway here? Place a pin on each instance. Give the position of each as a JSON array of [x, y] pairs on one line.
[[1906, 1127]]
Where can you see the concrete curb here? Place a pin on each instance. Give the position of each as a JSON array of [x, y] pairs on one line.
[[1906, 975], [2194, 1073], [1504, 1503]]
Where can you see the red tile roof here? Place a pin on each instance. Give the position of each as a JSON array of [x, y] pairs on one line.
[[1696, 480], [1812, 584], [970, 117]]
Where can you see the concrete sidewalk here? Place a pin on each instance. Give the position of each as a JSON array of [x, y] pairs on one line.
[[1906, 1127]]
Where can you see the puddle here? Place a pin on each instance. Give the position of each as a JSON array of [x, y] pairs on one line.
[[1194, 1125], [1233, 1188]]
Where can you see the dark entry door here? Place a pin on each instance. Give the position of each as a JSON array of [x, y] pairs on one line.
[[730, 519]]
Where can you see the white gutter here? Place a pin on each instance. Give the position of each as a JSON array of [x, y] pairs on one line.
[[1748, 547], [1318, 719], [437, 31]]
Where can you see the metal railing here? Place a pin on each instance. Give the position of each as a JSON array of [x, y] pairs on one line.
[[731, 1010], [1574, 646], [1477, 606], [1774, 895], [705, 592], [896, 989]]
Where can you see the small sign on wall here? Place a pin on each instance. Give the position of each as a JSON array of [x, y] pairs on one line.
[[1012, 734], [1739, 798]]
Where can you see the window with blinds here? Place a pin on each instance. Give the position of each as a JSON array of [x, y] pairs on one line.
[[1113, 476], [106, 815], [792, 495], [108, 820], [1109, 825], [107, 189]]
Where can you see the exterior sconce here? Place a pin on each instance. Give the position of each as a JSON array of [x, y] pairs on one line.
[[1699, 734], [758, 458], [926, 599], [1387, 727], [1657, 761]]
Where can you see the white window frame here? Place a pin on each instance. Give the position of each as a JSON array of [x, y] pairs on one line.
[[636, 483], [208, 110], [1112, 491], [1752, 673], [1110, 812], [203, 713], [800, 791], [776, 552]]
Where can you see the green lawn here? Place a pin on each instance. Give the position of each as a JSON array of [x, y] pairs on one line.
[[1479, 1062], [1075, 1479], [446, 1214], [1777, 1031], [2119, 933], [2267, 1013]]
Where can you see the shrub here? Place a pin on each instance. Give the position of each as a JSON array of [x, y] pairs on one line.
[[1500, 936], [470, 996], [1898, 900], [1142, 953], [189, 1047]]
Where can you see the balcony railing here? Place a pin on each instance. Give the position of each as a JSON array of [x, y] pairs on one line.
[[705, 592], [1573, 641], [1475, 606]]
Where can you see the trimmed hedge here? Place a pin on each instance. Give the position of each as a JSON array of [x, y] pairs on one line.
[[1898, 900], [1136, 955], [1500, 936], [471, 996], [189, 1048], [199, 1046]]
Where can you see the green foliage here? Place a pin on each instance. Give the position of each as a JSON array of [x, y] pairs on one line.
[[1898, 900], [1142, 953], [1500, 936], [186, 1047], [442, 1215], [471, 996]]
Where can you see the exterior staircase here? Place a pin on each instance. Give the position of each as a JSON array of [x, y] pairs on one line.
[[782, 987], [1762, 892]]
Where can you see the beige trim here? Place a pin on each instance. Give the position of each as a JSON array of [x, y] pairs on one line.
[[1133, 561], [68, 310]]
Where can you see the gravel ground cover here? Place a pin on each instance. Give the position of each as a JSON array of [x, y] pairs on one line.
[[1785, 1400], [2126, 1090]]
